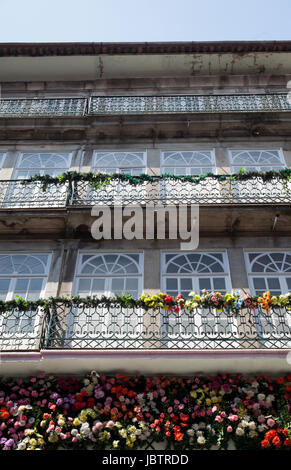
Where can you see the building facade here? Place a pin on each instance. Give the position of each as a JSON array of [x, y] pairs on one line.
[[180, 109]]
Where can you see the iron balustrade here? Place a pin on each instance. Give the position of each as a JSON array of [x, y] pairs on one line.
[[103, 326], [127, 105], [42, 107], [100, 105], [16, 195]]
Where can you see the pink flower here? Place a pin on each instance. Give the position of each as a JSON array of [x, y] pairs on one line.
[[219, 419], [261, 419], [270, 422], [229, 429]]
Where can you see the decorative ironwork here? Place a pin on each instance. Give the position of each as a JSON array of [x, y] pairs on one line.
[[80, 326], [100, 105], [14, 194], [46, 107], [112, 105]]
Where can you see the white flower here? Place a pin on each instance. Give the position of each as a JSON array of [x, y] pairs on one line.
[[202, 425], [201, 440], [240, 432], [121, 398], [74, 432], [262, 427], [21, 446], [86, 382], [190, 432], [199, 433], [261, 396], [270, 398], [253, 433], [195, 426], [244, 423], [252, 425]]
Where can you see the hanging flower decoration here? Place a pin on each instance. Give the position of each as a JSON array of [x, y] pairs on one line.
[[46, 412]]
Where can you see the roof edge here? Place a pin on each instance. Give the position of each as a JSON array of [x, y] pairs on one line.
[[137, 48]]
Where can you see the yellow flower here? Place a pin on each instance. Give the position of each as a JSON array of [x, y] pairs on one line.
[[193, 394], [76, 422], [154, 297], [115, 443], [132, 437], [212, 393], [208, 401], [214, 399], [132, 428], [123, 432], [83, 418], [191, 294], [129, 444], [118, 425], [32, 442], [53, 438], [40, 442], [197, 297]]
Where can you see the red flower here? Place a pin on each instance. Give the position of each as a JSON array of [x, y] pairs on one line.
[[276, 441], [265, 443], [178, 436], [287, 442], [280, 380], [184, 417]]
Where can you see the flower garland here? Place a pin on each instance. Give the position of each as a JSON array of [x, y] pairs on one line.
[[121, 412], [228, 303], [99, 180]]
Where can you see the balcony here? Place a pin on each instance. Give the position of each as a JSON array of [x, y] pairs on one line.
[[106, 105], [79, 192], [107, 326], [143, 105], [38, 107]]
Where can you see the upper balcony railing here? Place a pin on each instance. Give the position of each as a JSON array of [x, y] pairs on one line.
[[70, 325], [40, 107], [132, 105], [158, 191], [99, 105]]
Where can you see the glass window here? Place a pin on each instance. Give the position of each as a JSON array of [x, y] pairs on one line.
[[269, 271], [256, 160], [192, 162]]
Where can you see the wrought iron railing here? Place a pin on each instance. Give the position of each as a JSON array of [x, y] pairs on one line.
[[77, 326], [112, 105], [15, 195], [189, 104], [42, 107]]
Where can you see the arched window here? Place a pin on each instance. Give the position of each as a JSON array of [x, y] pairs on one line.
[[186, 272], [187, 162], [107, 274], [24, 275], [133, 163], [256, 160], [269, 271], [30, 164]]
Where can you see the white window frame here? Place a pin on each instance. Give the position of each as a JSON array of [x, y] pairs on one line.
[[118, 169], [275, 320], [235, 168], [41, 170], [78, 275], [188, 173], [225, 274], [19, 340], [279, 275]]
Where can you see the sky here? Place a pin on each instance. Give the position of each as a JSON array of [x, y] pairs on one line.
[[142, 21]]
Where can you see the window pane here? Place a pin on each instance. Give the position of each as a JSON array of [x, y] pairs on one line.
[[98, 286], [219, 284], [4, 288], [84, 286], [204, 283], [171, 284]]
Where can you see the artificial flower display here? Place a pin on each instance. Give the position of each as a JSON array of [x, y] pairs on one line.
[[122, 412]]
